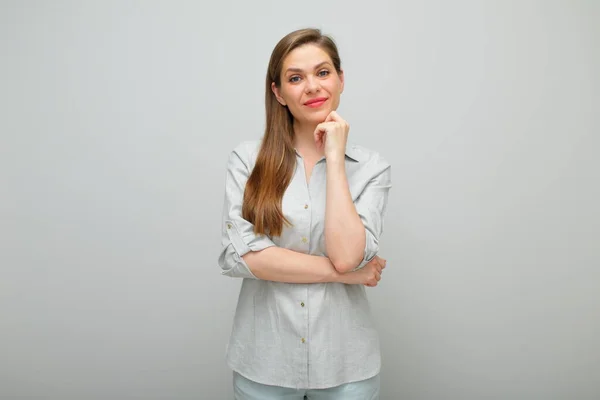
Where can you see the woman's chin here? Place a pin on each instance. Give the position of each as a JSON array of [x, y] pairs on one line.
[[318, 116]]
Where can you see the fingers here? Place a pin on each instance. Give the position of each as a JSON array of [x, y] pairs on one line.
[[374, 264], [321, 130], [373, 282], [319, 134], [333, 116], [324, 126], [378, 263]]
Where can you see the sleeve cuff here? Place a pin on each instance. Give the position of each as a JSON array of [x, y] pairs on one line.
[[243, 245], [232, 255], [371, 249], [233, 265]]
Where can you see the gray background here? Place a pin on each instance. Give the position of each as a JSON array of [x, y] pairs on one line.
[[116, 122]]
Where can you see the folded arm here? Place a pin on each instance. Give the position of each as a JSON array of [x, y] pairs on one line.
[[353, 228]]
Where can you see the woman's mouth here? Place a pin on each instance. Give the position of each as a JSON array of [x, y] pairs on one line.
[[316, 103]]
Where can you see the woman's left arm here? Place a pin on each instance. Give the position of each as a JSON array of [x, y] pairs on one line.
[[345, 235], [353, 229]]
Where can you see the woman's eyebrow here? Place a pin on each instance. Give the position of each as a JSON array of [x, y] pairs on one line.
[[294, 69]]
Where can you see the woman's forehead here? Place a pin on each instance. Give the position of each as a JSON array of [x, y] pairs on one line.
[[306, 57]]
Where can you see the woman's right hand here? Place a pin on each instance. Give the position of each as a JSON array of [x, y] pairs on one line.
[[369, 275]]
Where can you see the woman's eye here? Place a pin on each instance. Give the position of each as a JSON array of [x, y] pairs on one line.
[[294, 79], [323, 72]]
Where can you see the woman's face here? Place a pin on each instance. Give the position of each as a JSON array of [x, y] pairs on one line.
[[310, 85]]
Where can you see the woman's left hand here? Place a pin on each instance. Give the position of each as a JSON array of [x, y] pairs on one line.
[[332, 135]]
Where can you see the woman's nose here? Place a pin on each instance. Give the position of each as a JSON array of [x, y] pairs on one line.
[[312, 85]]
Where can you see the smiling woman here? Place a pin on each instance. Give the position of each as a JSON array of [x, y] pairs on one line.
[[306, 85], [302, 220]]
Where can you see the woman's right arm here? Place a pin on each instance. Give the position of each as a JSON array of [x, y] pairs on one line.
[[282, 265]]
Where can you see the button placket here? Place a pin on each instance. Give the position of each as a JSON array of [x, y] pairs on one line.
[[305, 238]]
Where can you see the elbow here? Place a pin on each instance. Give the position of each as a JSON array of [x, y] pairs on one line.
[[347, 253], [346, 265], [348, 258], [343, 268]]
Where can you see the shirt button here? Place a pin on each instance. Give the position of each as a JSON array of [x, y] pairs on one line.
[[304, 240], [302, 304], [303, 340], [228, 226], [305, 206]]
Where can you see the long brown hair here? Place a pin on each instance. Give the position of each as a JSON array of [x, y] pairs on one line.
[[276, 160]]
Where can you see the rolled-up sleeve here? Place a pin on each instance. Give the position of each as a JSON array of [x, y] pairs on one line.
[[371, 206], [237, 236]]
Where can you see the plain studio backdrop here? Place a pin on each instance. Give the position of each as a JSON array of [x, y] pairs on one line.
[[117, 119]]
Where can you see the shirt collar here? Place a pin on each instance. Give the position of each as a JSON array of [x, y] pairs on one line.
[[352, 153]]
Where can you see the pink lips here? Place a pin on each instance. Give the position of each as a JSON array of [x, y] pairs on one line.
[[315, 103]]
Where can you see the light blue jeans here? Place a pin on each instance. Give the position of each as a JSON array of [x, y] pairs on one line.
[[245, 389]]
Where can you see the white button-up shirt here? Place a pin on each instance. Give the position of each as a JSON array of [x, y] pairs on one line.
[[309, 336]]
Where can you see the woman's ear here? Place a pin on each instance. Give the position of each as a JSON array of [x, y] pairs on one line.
[[275, 90], [341, 75]]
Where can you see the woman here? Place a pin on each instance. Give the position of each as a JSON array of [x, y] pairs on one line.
[[302, 220]]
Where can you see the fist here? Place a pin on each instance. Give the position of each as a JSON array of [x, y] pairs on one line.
[[369, 275], [372, 271], [332, 136]]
